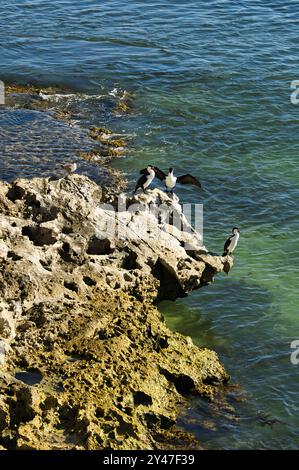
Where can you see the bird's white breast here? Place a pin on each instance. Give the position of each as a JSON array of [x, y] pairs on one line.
[[170, 181], [233, 242], [149, 178]]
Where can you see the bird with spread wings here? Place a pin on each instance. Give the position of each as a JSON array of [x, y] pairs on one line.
[[170, 180]]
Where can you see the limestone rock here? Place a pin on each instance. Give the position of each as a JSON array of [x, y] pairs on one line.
[[4, 348], [87, 361]]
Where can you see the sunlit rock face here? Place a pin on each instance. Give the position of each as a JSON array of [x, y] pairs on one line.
[[86, 359]]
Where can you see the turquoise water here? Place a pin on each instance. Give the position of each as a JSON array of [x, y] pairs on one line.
[[210, 83]]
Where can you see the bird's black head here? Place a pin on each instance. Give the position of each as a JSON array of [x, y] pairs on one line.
[[170, 170], [236, 230]]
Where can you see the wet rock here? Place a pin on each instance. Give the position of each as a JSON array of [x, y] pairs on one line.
[[111, 144]]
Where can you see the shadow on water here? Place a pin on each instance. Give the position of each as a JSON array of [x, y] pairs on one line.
[[238, 320]]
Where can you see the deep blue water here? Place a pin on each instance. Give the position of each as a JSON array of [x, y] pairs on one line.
[[210, 82]]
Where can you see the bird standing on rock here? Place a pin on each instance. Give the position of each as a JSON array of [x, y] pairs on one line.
[[148, 174], [231, 242], [69, 167], [170, 180]]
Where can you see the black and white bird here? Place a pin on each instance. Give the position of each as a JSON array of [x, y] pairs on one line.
[[148, 174], [231, 242], [170, 180]]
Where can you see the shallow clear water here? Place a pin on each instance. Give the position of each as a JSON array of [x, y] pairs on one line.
[[211, 87]]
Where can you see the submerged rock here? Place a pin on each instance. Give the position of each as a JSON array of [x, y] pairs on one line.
[[81, 272], [111, 145]]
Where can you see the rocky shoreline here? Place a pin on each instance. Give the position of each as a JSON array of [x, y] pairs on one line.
[[87, 361]]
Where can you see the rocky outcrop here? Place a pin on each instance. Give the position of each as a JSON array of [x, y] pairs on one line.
[[86, 359]]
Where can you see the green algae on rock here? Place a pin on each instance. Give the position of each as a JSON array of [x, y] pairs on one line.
[[77, 310], [111, 146]]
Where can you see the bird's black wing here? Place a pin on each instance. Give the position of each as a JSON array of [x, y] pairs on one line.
[[188, 179], [159, 173], [226, 245], [140, 182]]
